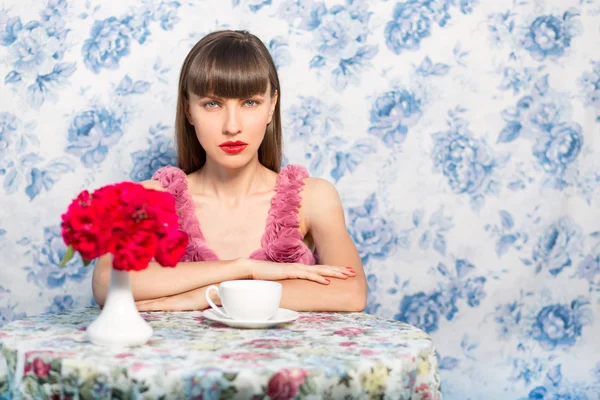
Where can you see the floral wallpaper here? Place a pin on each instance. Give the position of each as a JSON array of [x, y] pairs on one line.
[[461, 135]]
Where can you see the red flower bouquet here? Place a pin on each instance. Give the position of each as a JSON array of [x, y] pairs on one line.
[[131, 222]]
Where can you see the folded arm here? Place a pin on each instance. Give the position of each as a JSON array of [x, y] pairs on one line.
[[324, 217]]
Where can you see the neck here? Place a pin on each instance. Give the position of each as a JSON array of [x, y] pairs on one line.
[[232, 185]]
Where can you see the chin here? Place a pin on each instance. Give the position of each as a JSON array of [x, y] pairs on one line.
[[234, 162]]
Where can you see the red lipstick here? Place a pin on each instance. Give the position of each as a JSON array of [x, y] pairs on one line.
[[233, 147]]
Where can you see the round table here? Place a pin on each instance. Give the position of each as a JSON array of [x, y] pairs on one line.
[[320, 355]]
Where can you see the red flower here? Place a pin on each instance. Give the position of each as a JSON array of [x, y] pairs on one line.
[[350, 332], [39, 367], [171, 248], [285, 383], [127, 220], [133, 253]]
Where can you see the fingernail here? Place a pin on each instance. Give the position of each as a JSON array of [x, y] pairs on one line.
[[328, 281]]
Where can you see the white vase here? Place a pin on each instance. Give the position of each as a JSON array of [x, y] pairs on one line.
[[119, 323]]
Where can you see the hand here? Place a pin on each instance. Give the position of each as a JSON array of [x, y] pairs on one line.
[[272, 271], [188, 301]]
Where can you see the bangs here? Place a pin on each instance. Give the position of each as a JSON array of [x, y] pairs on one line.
[[229, 69]]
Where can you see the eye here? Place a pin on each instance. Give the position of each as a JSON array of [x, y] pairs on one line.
[[251, 103], [210, 104]]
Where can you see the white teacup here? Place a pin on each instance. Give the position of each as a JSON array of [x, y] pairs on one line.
[[247, 299]]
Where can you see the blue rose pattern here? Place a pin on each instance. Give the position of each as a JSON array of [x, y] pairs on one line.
[[461, 136], [160, 154], [45, 271], [393, 113], [426, 310], [560, 324], [556, 245], [551, 35], [373, 235], [468, 163]]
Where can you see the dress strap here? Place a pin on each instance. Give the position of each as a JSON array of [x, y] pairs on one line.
[[174, 180], [283, 220]]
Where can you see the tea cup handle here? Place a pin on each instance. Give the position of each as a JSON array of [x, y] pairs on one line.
[[210, 302]]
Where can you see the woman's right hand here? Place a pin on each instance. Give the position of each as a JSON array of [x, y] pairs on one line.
[[273, 271]]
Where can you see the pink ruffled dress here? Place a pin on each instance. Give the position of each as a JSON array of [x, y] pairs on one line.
[[282, 240]]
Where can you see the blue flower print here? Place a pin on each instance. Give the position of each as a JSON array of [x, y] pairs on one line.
[[590, 86], [559, 325], [53, 18], [425, 310], [310, 117], [60, 303], [145, 162], [166, 13], [419, 310], [35, 53], [34, 49], [373, 235], [555, 247], [508, 317], [543, 117], [108, 43], [309, 14], [474, 289], [516, 79], [555, 387], [9, 27], [392, 114], [372, 305], [466, 6], [8, 314], [279, 49], [559, 148], [91, 133], [466, 162], [46, 271], [550, 35], [528, 370], [408, 27], [253, 5], [589, 267], [8, 128]]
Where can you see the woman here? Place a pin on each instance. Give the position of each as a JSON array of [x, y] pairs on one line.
[[229, 182]]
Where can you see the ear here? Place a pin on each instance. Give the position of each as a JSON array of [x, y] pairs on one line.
[[274, 100]]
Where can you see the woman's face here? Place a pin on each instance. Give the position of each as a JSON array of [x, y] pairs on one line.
[[231, 130]]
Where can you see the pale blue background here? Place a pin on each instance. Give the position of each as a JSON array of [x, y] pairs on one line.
[[463, 137]]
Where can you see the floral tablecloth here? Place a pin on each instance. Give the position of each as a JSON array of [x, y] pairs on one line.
[[320, 355]]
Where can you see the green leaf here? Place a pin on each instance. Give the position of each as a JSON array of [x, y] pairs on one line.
[[67, 257], [230, 376], [86, 262], [228, 393]]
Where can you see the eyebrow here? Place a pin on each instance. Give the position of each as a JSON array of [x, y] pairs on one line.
[[262, 95]]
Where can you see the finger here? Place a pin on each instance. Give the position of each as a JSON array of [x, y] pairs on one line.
[[311, 276], [326, 270]]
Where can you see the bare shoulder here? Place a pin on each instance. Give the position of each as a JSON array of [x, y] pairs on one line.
[[319, 198], [319, 189], [152, 184]]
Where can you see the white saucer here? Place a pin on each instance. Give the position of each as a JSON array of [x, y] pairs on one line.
[[282, 316]]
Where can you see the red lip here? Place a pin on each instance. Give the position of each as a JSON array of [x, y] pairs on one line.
[[233, 147]]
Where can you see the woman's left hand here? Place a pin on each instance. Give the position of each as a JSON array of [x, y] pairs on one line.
[[189, 301]]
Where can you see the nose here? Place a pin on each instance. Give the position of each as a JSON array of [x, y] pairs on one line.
[[233, 123]]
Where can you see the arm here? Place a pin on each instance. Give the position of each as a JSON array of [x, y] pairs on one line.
[[157, 281], [325, 219]]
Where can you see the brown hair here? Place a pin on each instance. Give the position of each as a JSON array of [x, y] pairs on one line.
[[229, 64]]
